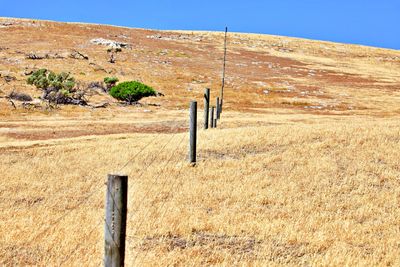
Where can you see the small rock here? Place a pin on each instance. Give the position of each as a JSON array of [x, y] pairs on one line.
[[100, 105], [163, 52], [35, 56], [8, 78], [78, 55], [6, 24], [97, 67]]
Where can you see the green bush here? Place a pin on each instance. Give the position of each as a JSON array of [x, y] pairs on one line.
[[57, 88], [44, 79], [131, 91], [110, 82]]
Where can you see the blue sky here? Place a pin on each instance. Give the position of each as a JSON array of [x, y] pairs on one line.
[[368, 22]]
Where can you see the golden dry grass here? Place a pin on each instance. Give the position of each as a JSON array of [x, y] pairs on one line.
[[307, 174], [317, 192]]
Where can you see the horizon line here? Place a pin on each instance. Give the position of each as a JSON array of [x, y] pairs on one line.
[[213, 31]]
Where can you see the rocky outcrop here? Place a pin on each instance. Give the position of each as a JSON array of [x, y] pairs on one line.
[[109, 43], [56, 55], [175, 37]]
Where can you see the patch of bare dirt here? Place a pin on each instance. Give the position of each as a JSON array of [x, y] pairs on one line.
[[345, 78], [98, 129], [243, 246]]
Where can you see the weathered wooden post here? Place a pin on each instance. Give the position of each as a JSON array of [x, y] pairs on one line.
[[218, 109], [206, 107], [216, 118], [193, 132], [115, 225], [212, 117]]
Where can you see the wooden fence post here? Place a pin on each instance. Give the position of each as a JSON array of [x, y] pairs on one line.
[[206, 107], [193, 132], [216, 118], [212, 117], [217, 108], [115, 225]]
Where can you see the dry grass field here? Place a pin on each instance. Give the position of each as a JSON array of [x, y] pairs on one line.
[[304, 168]]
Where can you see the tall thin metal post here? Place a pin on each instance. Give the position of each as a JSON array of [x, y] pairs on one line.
[[206, 107], [193, 132], [223, 70], [115, 224]]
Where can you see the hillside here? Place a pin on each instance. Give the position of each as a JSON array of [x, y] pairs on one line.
[[262, 71], [303, 169]]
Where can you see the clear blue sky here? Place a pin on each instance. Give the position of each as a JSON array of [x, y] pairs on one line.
[[368, 22]]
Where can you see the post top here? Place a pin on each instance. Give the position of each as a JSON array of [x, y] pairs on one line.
[[117, 175]]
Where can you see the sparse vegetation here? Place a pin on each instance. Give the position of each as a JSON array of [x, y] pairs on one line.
[[132, 91], [110, 82], [112, 53], [20, 96], [97, 85], [44, 79], [57, 88]]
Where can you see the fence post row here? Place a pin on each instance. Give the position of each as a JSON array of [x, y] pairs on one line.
[[193, 131], [206, 107], [115, 224]]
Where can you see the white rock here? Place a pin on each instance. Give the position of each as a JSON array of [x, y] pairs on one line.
[[110, 43]]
